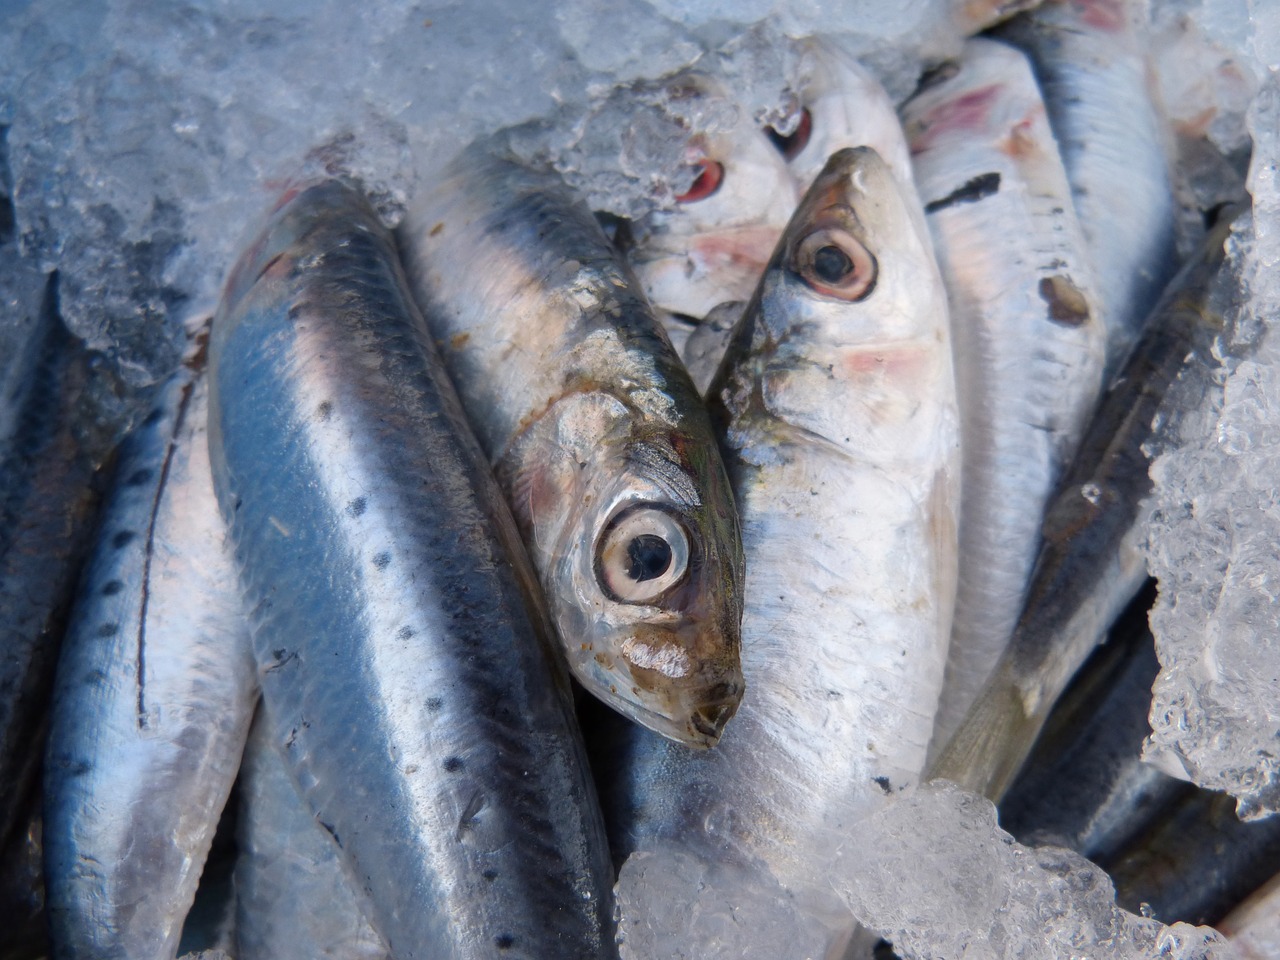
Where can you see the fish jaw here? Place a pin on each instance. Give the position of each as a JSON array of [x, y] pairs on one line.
[[671, 664]]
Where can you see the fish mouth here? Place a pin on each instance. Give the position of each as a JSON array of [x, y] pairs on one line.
[[707, 723]]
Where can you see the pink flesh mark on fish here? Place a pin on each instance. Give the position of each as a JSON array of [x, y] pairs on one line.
[[1105, 15], [963, 113], [748, 247], [899, 362]]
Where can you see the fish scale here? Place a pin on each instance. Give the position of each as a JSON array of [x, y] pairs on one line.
[[153, 697], [596, 435], [1028, 335], [840, 430], [412, 695]]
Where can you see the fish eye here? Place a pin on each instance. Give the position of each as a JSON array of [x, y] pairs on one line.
[[834, 264], [643, 553], [710, 176], [793, 144]]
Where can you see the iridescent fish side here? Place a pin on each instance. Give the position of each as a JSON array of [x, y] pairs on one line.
[[837, 409], [294, 897], [1091, 62], [1090, 565], [1028, 339], [154, 693], [405, 663], [598, 438]]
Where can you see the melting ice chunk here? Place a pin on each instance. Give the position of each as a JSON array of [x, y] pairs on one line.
[[1213, 530]]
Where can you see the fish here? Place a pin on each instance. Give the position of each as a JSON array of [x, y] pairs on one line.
[[841, 105], [1196, 862], [1254, 925], [154, 690], [294, 899], [1085, 785], [22, 901], [836, 410], [1090, 60], [598, 438], [53, 464], [712, 246], [402, 652], [1028, 338], [1090, 564]]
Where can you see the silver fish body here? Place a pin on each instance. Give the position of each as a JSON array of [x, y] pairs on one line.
[[154, 692], [1085, 785], [403, 658], [839, 420], [294, 898], [712, 246], [1028, 338], [1090, 565], [1091, 63], [844, 106], [598, 438], [1197, 861], [1254, 925], [50, 490]]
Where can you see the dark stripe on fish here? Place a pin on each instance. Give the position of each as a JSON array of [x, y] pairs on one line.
[[979, 188]]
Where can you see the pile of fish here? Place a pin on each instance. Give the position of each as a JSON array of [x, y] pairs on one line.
[[527, 583]]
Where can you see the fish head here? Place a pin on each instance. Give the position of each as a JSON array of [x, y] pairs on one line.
[[299, 210], [712, 246], [854, 241], [652, 556], [841, 104]]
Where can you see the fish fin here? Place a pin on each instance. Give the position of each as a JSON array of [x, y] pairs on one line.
[[991, 744]]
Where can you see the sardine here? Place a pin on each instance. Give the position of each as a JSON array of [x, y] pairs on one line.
[[1196, 862], [598, 438], [153, 697], [403, 659], [25, 934], [1090, 565], [1254, 926], [838, 416], [1085, 785], [713, 246], [1029, 343], [1090, 59], [842, 105], [49, 494], [294, 898]]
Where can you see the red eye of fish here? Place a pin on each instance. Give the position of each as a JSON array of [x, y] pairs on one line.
[[710, 175], [790, 146]]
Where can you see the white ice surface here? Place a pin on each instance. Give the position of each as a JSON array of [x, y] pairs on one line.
[[147, 137], [1214, 527], [932, 873]]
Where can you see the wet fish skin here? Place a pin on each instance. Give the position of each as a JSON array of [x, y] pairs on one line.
[[710, 249], [1091, 62], [25, 935], [294, 900], [154, 691], [597, 436], [847, 107], [1090, 564], [1085, 785], [825, 405], [1254, 925], [1197, 862], [51, 478], [415, 700], [1028, 337]]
